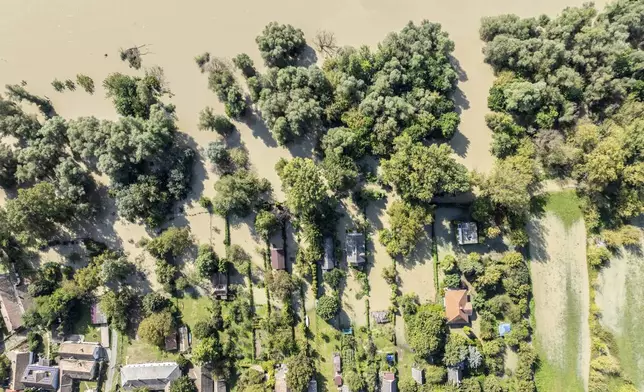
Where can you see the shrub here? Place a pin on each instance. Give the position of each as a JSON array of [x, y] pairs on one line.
[[327, 307], [86, 83], [58, 85], [280, 45], [209, 121]]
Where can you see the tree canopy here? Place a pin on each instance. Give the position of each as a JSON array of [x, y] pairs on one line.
[[426, 330]]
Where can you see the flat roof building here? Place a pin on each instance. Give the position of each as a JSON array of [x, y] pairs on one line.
[[467, 233], [278, 260]]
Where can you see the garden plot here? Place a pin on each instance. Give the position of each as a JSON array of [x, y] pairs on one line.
[[560, 288]]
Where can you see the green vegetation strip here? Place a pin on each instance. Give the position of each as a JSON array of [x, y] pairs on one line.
[[565, 205]]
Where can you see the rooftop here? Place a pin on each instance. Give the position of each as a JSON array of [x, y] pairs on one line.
[[327, 262], [19, 362], [457, 309], [355, 248], [278, 261], [76, 365], [36, 376], [14, 300], [467, 233], [154, 375], [80, 350], [97, 316], [417, 375]]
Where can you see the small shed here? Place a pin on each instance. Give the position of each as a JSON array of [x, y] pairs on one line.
[[467, 233], [504, 329], [337, 363], [337, 380], [184, 341], [380, 316], [220, 386], [278, 261], [355, 248], [313, 385], [454, 375], [220, 285], [328, 262], [417, 375], [171, 342], [388, 382]]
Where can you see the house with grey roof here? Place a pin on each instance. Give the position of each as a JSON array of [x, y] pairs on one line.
[[219, 282], [313, 385], [454, 375], [328, 262], [14, 301], [155, 376], [41, 377], [280, 379], [19, 362], [78, 369], [355, 248]]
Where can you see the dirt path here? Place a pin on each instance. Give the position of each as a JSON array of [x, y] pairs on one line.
[[560, 289]]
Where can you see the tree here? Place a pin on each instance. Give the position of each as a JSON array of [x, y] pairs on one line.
[[171, 243], [222, 82], [418, 173], [154, 328], [154, 302], [334, 278], [5, 367], [114, 267], [8, 166], [280, 45], [354, 381], [238, 193], [35, 214], [219, 156], [407, 224], [209, 121], [327, 307], [281, 284], [456, 350], [302, 182], [341, 173], [133, 96], [239, 258], [425, 331], [301, 370], [266, 224], [207, 262], [204, 329], [244, 63], [408, 385], [207, 351], [117, 306], [183, 384], [292, 101]]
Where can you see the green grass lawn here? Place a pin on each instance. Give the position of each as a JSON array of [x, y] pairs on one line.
[[565, 205], [138, 351], [563, 376], [83, 325], [326, 341], [194, 309]]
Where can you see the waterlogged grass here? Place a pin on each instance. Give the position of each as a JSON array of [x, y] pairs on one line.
[[566, 206], [563, 375]]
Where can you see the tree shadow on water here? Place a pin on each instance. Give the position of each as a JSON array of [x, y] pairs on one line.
[[259, 129]]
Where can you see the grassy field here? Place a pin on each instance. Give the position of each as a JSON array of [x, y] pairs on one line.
[[629, 339], [565, 205], [194, 309], [85, 385], [564, 376], [138, 351]]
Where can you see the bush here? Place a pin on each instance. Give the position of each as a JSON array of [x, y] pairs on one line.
[[209, 121], [207, 262], [266, 224], [86, 83], [58, 85], [154, 302], [204, 329], [327, 307], [452, 281]]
